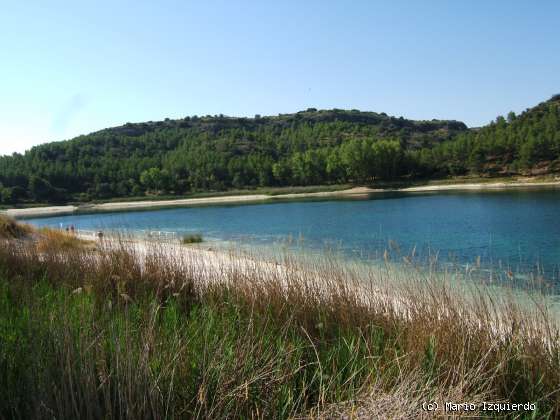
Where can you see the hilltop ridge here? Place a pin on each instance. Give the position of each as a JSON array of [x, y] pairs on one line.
[[214, 124]]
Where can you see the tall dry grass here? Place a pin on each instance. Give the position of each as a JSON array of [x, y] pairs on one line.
[[10, 229], [155, 331], [47, 238]]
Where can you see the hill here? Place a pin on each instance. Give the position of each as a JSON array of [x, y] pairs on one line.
[[204, 153], [215, 153]]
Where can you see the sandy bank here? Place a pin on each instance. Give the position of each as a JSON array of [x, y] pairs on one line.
[[232, 199], [131, 205], [481, 186], [186, 202], [239, 199], [41, 211]]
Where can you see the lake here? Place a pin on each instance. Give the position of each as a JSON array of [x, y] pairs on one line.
[[516, 231]]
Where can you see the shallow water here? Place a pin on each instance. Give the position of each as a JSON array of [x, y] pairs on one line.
[[510, 231]]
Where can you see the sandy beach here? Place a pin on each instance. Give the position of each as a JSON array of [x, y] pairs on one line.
[[254, 198], [41, 211]]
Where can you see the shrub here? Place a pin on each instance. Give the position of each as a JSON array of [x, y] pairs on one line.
[[194, 238]]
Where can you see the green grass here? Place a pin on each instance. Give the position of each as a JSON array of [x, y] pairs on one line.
[[227, 362], [109, 333]]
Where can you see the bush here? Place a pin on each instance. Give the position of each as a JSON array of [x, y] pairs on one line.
[[194, 238]]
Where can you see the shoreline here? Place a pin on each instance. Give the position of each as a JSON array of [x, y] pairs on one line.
[[219, 260], [481, 186], [256, 198]]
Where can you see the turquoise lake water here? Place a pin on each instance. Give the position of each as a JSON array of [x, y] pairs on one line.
[[504, 230]]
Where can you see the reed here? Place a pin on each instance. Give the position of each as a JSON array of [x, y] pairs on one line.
[[155, 331]]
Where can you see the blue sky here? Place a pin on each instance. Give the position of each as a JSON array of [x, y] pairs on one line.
[[68, 68]]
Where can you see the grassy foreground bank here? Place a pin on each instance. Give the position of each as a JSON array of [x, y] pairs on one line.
[[125, 332]]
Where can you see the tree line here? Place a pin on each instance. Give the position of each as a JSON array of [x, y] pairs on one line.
[[307, 148]]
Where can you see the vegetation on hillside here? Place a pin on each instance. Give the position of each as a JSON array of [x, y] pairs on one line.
[[530, 142], [307, 148], [118, 334]]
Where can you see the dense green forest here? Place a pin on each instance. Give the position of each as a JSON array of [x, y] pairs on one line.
[[216, 153]]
